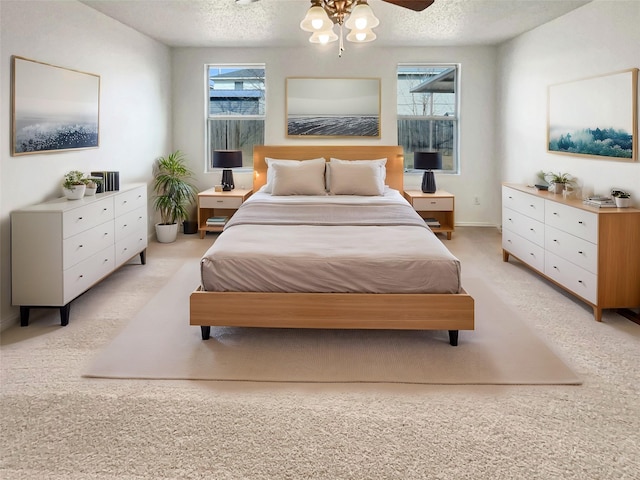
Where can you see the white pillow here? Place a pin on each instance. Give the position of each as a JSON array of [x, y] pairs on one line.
[[356, 178], [268, 186], [298, 178], [381, 162]]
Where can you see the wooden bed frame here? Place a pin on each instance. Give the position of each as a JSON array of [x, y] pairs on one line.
[[452, 312]]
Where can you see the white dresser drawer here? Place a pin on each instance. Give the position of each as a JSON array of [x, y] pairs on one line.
[[83, 218], [83, 275], [219, 202], [130, 222], [130, 246], [584, 254], [572, 277], [524, 203], [130, 200], [524, 226], [573, 220], [527, 251], [83, 245], [431, 204]]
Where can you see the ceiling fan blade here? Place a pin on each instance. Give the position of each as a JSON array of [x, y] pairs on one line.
[[416, 5]]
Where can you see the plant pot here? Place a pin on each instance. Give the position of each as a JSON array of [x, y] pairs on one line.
[[88, 191], [190, 227], [623, 202], [166, 233], [74, 193], [558, 187]]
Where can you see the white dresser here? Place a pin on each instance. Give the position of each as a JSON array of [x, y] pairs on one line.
[[591, 252], [61, 248]]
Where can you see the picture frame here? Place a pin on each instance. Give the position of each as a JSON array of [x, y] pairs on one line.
[[333, 107], [53, 109], [595, 117]]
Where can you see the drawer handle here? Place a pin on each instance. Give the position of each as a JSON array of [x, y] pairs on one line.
[[80, 246], [139, 196], [79, 218], [555, 213], [532, 206], [124, 201], [509, 240], [81, 276], [510, 197], [580, 222], [580, 252], [104, 209], [555, 240], [124, 226], [555, 267], [532, 229], [533, 255], [432, 203], [580, 281]]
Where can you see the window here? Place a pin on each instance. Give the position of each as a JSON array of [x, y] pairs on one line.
[[235, 109], [428, 112]]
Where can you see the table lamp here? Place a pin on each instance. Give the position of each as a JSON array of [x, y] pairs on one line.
[[428, 161], [227, 159]]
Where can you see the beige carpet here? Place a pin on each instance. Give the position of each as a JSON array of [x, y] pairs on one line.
[[159, 343]]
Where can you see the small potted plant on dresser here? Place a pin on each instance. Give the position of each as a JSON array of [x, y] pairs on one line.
[[74, 185], [622, 198], [92, 185], [174, 194], [558, 182]]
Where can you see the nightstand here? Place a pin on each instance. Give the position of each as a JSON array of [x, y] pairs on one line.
[[218, 204], [439, 205]]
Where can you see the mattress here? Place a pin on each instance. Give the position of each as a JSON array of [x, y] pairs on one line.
[[331, 243]]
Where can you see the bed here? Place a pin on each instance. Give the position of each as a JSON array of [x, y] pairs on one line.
[[351, 259]]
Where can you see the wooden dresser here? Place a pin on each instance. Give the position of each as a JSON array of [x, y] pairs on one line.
[[593, 253], [61, 248]]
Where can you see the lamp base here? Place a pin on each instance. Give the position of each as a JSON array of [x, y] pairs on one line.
[[227, 180], [428, 182]]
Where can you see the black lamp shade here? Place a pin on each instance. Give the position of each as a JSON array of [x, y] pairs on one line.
[[227, 159], [428, 161]]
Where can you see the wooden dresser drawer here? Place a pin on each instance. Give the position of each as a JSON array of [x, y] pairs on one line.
[[575, 221], [83, 275], [219, 202], [130, 222], [572, 277], [521, 202], [426, 204], [524, 226], [575, 249]]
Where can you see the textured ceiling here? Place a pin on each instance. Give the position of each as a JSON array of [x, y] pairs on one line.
[[274, 23]]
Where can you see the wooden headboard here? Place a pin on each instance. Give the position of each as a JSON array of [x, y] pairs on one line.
[[393, 154]]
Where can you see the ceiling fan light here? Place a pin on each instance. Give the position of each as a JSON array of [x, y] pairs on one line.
[[361, 36], [323, 37], [362, 17], [316, 20]]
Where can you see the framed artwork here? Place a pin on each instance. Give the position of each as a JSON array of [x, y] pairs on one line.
[[333, 107], [595, 117], [53, 108]]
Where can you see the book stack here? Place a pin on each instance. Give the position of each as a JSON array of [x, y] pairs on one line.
[[216, 221], [599, 201], [110, 181], [432, 222]]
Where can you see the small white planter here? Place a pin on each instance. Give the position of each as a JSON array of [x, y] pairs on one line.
[[74, 193], [166, 233], [623, 202], [88, 192]]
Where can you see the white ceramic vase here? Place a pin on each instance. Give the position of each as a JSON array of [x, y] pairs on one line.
[[74, 193], [623, 202]]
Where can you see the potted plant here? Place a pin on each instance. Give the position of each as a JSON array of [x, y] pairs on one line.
[[74, 185], [174, 194], [622, 198], [558, 181], [92, 185]]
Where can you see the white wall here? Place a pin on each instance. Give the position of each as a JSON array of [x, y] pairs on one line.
[[478, 173], [135, 109], [598, 38]]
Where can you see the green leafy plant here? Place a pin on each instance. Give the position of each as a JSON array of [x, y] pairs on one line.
[[73, 178], [559, 177], [620, 194], [174, 192]]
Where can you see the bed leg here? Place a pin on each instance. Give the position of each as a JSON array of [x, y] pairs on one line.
[[453, 338], [206, 332]]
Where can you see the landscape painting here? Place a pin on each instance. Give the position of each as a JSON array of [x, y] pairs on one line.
[[333, 107], [595, 117], [53, 108]]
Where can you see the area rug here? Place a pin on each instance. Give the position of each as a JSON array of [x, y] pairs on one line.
[[159, 343]]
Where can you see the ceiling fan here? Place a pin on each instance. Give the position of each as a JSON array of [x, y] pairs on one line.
[[415, 5]]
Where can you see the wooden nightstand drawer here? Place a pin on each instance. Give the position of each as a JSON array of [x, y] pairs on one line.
[[426, 204], [218, 202]]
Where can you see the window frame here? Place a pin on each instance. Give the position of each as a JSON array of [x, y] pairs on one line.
[[208, 117], [454, 119]]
